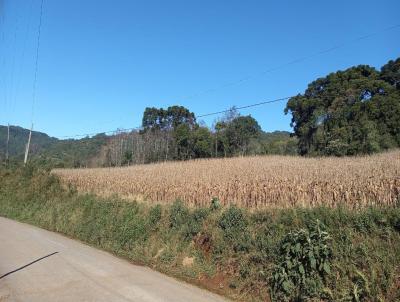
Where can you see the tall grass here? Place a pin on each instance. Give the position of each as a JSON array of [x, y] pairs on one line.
[[252, 182]]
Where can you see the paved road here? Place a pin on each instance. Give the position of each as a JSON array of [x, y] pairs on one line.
[[78, 272]]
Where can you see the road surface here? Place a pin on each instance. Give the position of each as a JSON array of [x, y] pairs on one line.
[[67, 270]]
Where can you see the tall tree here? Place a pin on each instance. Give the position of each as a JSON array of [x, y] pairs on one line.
[[348, 112], [167, 119], [240, 131]]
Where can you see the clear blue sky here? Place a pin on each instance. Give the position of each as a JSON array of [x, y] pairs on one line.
[[102, 62]]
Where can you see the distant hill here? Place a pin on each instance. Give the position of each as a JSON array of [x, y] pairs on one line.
[[91, 151], [50, 150], [18, 139]]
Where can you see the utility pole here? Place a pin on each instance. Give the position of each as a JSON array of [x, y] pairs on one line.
[[8, 142], [28, 146], [216, 144]]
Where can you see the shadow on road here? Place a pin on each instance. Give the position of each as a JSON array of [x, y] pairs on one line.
[[26, 265]]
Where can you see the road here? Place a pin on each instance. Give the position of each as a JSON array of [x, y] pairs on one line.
[[78, 272]]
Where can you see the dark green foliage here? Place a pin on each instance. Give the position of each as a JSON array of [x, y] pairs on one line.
[[155, 217], [19, 138], [171, 118], [390, 73], [178, 215], [304, 261], [233, 223], [349, 112], [49, 151], [194, 223], [215, 204], [239, 132]]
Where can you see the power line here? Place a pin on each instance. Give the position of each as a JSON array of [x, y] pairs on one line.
[[34, 83], [101, 132], [202, 115], [295, 61], [37, 61], [199, 116], [22, 58], [253, 76], [247, 106]]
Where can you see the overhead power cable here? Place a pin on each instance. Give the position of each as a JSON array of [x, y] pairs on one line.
[[100, 132], [247, 106], [295, 61], [36, 62], [34, 83], [202, 115], [298, 60]]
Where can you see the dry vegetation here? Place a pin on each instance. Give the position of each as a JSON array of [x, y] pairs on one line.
[[254, 182]]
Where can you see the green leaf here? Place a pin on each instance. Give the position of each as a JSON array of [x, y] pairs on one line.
[[286, 286], [327, 268]]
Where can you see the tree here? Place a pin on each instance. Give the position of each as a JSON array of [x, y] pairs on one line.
[[202, 142], [169, 119], [183, 139], [391, 73], [348, 112], [153, 118], [178, 115], [240, 131]]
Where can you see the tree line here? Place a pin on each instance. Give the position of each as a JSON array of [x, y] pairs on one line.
[[175, 134]]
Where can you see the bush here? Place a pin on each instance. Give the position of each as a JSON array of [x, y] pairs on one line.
[[195, 223], [154, 217], [304, 261], [179, 214], [215, 204], [233, 223]]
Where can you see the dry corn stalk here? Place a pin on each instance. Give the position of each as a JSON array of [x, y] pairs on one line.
[[253, 182]]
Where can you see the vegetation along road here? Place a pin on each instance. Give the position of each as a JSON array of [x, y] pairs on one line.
[[73, 271]]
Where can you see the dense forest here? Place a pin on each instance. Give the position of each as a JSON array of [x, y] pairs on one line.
[[350, 112]]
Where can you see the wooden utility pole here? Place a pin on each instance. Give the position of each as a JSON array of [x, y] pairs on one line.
[[8, 142], [216, 144], [28, 146]]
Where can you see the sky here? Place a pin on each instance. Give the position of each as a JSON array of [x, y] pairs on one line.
[[101, 63]]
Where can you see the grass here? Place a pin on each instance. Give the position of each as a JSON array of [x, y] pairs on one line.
[[232, 251], [252, 182]]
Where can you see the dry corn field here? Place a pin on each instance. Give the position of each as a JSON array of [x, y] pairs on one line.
[[254, 182]]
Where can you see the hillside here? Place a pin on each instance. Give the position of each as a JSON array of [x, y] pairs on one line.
[[50, 150], [18, 139]]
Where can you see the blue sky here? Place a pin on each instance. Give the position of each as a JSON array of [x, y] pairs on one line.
[[102, 62]]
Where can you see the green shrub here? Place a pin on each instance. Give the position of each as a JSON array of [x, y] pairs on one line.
[[194, 223], [215, 204], [233, 223], [179, 214], [304, 261], [154, 217]]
